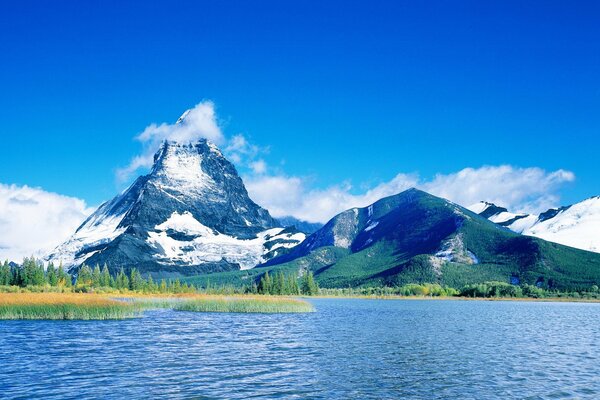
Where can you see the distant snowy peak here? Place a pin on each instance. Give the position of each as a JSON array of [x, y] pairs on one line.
[[494, 213], [577, 225]]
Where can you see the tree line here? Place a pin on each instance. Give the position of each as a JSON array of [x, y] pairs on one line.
[[31, 273], [282, 284]]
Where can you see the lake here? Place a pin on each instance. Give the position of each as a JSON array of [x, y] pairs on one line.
[[348, 349]]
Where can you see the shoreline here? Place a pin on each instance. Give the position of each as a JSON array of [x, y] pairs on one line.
[[458, 298]]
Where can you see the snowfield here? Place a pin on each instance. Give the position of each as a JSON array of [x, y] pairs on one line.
[[208, 245], [576, 226]]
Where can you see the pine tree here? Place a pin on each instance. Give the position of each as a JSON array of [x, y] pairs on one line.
[[84, 276], [281, 286], [265, 284], [292, 285], [309, 285], [105, 277], [39, 275], [151, 287], [136, 282], [177, 286], [51, 276], [122, 282], [28, 269], [64, 279], [163, 286], [5, 274], [97, 276], [17, 274]]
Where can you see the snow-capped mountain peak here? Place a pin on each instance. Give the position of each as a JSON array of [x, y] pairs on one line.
[[577, 225], [180, 166], [190, 214]]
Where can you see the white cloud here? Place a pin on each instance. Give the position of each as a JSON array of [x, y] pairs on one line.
[[33, 221], [259, 167], [196, 123], [284, 196], [519, 189]]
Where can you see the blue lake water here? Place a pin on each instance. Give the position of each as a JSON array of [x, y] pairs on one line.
[[348, 349]]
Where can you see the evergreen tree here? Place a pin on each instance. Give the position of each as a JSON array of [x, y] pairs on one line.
[[84, 276], [32, 273], [136, 282], [265, 284], [97, 276], [17, 274], [309, 285], [64, 279], [122, 282], [150, 286], [105, 277], [292, 285], [279, 283], [176, 286], [28, 270], [5, 274], [39, 275], [51, 276], [163, 286]]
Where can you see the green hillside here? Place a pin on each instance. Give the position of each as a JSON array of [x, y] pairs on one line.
[[415, 237]]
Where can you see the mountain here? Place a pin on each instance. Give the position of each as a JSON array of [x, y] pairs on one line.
[[190, 214], [300, 225], [577, 225], [415, 237]]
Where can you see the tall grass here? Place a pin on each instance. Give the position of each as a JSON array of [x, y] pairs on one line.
[[63, 306], [244, 304], [86, 306]]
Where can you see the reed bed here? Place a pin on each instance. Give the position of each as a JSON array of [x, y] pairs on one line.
[[243, 304], [64, 306], [86, 306]]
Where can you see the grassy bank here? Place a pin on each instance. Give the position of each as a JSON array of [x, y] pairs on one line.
[[244, 304], [63, 306], [86, 306]]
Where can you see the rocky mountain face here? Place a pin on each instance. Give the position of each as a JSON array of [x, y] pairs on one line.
[[190, 214], [415, 237], [577, 225]]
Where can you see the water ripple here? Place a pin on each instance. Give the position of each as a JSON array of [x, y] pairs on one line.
[[348, 349]]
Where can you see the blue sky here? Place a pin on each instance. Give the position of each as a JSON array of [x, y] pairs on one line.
[[336, 93]]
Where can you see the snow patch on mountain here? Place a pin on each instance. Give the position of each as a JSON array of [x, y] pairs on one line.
[[480, 207], [93, 233], [181, 170], [200, 244], [577, 225], [502, 217]]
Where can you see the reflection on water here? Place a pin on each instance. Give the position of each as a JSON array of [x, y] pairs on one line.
[[347, 349]]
